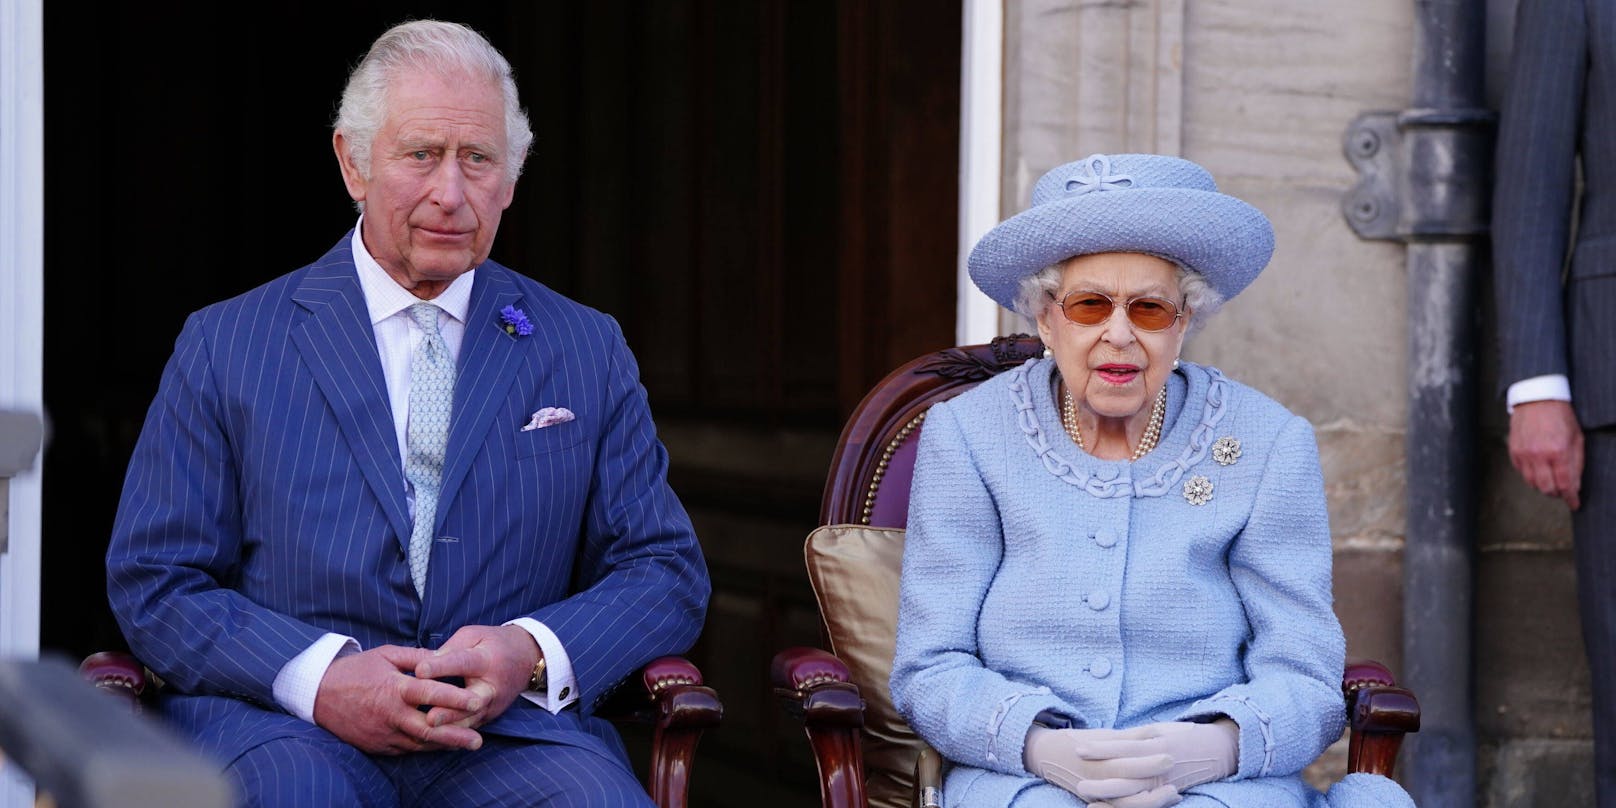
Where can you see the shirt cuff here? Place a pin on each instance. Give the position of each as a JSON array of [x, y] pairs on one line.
[[299, 679], [1552, 387], [561, 688]]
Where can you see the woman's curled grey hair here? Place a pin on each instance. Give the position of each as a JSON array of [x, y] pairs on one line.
[[1038, 289], [439, 46]]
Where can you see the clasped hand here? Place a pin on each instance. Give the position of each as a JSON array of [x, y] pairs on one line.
[[1142, 767], [373, 699]]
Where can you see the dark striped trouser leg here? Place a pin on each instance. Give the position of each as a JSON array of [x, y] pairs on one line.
[[511, 772], [1594, 526], [307, 773]]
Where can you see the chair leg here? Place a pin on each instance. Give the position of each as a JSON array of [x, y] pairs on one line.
[[814, 685], [684, 710], [832, 718]]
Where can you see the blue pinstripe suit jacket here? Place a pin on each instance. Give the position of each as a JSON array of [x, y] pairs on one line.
[[1559, 103], [265, 504]]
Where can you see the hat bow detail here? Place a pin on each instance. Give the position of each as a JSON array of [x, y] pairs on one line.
[[1097, 176]]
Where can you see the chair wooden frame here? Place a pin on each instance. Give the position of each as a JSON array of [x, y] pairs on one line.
[[818, 688]]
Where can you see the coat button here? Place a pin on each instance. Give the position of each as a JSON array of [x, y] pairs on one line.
[[1100, 668], [1105, 537], [1097, 600]]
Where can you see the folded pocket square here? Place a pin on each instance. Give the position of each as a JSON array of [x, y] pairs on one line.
[[549, 416]]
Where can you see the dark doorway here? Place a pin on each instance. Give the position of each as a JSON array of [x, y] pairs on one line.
[[763, 194]]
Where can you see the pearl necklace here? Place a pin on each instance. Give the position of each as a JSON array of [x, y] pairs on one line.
[[1146, 442]]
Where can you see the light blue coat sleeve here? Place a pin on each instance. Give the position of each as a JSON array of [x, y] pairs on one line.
[[1290, 708], [971, 714]]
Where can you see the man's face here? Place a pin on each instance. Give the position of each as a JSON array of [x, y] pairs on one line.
[[438, 180]]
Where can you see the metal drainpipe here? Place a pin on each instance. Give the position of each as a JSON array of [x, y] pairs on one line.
[[1426, 182]]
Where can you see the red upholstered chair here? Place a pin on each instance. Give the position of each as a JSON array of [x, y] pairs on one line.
[[865, 752], [672, 700]]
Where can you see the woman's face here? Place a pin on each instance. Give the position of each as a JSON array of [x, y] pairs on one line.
[[1114, 368]]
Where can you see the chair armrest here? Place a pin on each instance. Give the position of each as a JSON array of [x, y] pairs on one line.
[[118, 673], [1379, 714], [815, 686], [674, 700]]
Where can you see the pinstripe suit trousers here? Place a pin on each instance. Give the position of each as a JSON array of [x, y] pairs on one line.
[[1594, 525]]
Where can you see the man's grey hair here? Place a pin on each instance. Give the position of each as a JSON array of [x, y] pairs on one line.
[[435, 46], [1038, 290]]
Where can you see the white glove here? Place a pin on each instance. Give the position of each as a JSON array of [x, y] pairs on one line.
[[1154, 798], [1061, 757], [1198, 753]]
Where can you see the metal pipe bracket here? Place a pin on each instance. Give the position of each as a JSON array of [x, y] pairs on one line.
[[1424, 174]]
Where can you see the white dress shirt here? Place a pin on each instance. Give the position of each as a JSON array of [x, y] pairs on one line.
[[1550, 387], [397, 336]]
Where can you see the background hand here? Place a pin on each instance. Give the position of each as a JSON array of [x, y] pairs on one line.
[[496, 663], [370, 700], [1545, 444]]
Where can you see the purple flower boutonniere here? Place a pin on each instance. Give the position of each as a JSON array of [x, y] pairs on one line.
[[515, 321]]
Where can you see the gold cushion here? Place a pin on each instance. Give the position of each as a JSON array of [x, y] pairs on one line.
[[854, 570]]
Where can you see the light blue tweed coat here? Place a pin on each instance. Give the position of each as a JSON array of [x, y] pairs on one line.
[[1038, 577]]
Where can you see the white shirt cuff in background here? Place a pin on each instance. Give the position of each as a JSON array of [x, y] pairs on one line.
[[1551, 387], [562, 688], [299, 679]]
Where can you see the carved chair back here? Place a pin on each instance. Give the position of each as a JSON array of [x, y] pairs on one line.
[[855, 558], [875, 457]]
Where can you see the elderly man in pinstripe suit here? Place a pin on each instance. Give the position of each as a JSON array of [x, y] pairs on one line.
[[398, 520], [1557, 324]]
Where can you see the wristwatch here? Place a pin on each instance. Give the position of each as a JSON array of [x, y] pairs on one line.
[[537, 683]]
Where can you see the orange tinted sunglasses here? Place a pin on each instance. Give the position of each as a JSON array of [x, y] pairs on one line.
[[1095, 308]]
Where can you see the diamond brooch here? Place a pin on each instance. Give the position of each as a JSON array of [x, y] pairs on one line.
[[1198, 490], [1226, 450]]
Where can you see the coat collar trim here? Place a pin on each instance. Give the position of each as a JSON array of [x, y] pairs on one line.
[[1154, 474]]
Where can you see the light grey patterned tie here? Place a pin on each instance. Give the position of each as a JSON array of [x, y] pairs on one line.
[[431, 398]]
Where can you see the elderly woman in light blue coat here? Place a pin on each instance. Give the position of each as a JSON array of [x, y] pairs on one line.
[[1116, 582]]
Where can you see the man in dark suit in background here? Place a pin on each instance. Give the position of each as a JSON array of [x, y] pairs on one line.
[[399, 520], [1557, 327]]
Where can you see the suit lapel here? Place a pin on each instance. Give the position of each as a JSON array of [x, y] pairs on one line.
[[489, 359], [338, 346]]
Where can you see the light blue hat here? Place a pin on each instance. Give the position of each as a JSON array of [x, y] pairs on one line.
[[1144, 203]]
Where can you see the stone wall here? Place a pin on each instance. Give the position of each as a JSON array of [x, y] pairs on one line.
[[1260, 92]]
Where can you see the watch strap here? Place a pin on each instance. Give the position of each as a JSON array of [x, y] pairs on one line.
[[537, 683]]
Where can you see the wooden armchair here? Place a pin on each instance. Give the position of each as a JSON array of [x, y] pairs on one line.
[[672, 700], [865, 752]]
